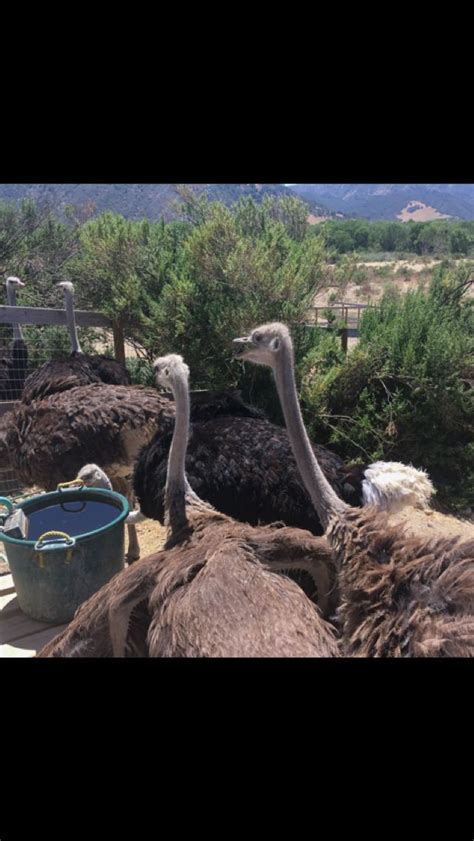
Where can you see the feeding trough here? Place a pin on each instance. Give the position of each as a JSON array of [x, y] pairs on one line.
[[73, 543]]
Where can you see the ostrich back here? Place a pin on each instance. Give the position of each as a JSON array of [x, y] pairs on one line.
[[107, 369], [241, 464], [402, 596], [51, 439], [213, 592], [57, 376], [75, 370]]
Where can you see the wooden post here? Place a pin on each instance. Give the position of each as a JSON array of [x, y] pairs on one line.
[[119, 343], [344, 339]]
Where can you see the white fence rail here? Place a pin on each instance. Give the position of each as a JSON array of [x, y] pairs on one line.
[[51, 317]]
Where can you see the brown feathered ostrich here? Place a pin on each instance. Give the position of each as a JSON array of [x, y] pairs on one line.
[[77, 369], [49, 440], [13, 367], [215, 590], [400, 596]]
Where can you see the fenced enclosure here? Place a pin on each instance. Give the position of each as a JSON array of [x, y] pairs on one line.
[[46, 338], [349, 314]]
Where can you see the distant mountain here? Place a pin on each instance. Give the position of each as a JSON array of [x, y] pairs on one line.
[[139, 201], [393, 201]]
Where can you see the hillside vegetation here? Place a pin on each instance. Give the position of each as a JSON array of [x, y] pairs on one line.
[[143, 201]]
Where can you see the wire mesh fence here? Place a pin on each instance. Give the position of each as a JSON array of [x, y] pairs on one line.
[[21, 358], [11, 486]]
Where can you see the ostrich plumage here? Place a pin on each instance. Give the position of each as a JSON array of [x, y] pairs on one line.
[[240, 463], [57, 376], [77, 369], [51, 439], [400, 596], [243, 465], [215, 590], [13, 367]]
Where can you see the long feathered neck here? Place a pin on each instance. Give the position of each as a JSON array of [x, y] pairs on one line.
[[71, 321], [325, 500], [11, 298], [176, 482]]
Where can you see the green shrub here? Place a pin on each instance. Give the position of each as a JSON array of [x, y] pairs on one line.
[[404, 393]]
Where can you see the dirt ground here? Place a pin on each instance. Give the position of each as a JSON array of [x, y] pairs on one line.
[[151, 537]]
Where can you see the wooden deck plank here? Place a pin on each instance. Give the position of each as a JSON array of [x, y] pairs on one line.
[[29, 645], [14, 624], [20, 636], [6, 585], [6, 599]]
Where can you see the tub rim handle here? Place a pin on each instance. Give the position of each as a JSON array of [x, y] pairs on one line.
[[74, 484], [7, 503], [48, 540]]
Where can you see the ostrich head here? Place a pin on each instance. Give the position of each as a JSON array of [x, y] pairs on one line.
[[12, 282], [66, 286], [169, 370], [263, 345], [94, 477]]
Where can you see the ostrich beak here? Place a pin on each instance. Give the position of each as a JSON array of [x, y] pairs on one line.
[[239, 346]]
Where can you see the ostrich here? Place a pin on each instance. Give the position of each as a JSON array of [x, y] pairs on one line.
[[50, 439], [13, 369], [77, 369], [106, 368], [242, 464], [94, 477], [215, 590], [400, 596], [390, 485]]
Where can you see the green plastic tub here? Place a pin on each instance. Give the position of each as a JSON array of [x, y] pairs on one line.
[[76, 543]]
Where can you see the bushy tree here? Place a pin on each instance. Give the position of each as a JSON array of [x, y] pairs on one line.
[[240, 268]]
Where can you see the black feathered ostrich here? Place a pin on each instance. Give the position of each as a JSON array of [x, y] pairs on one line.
[[400, 596], [75, 370], [243, 465], [13, 368], [215, 590]]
